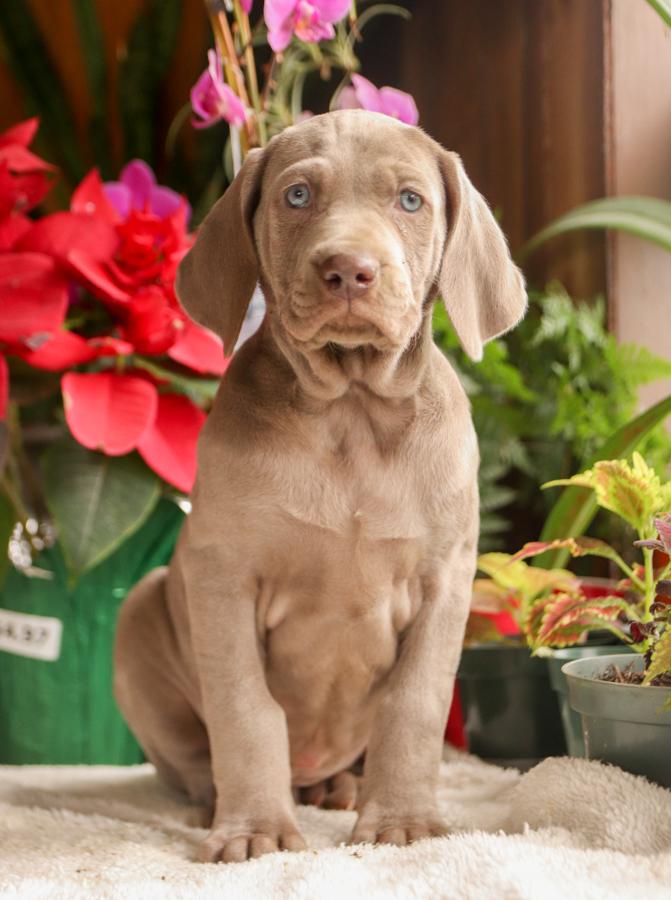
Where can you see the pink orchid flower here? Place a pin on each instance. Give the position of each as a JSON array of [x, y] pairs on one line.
[[387, 100], [136, 189], [213, 100], [310, 20]]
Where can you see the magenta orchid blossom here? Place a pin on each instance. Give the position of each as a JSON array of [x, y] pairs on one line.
[[310, 20], [387, 100], [213, 100], [137, 190]]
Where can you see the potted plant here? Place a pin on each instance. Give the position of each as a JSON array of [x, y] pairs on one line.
[[508, 706], [104, 383], [625, 705]]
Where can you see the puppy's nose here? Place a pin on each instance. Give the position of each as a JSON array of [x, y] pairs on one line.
[[348, 274]]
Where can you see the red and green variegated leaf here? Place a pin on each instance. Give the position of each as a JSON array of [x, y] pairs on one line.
[[568, 616], [660, 661], [583, 546], [523, 580], [576, 507], [533, 618], [633, 492], [663, 526]]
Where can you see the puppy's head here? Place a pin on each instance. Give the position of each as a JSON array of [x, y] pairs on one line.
[[353, 223]]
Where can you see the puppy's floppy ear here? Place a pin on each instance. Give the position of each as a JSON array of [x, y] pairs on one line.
[[482, 289], [216, 278]]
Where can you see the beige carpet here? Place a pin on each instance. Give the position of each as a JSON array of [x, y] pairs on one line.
[[566, 829]]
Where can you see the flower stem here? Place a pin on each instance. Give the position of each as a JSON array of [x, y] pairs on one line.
[[250, 65], [226, 45], [649, 595], [629, 572]]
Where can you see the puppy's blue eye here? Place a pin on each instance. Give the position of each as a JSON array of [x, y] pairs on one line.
[[298, 195], [410, 201]]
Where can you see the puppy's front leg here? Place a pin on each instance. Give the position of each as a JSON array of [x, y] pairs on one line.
[[249, 745], [397, 803]]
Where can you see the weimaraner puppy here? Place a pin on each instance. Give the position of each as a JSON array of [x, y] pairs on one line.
[[315, 605]]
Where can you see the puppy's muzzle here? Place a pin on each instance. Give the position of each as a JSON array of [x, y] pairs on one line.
[[348, 275]]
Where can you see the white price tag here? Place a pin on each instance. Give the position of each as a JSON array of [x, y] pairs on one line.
[[36, 636]]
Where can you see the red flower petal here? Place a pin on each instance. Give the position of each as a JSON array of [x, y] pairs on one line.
[[63, 350], [153, 324], [169, 446], [107, 411], [21, 192], [199, 349], [12, 229], [96, 276], [33, 296], [21, 133], [4, 386], [63, 233], [89, 199], [21, 160]]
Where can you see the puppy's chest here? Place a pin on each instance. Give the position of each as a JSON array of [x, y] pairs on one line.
[[352, 486]]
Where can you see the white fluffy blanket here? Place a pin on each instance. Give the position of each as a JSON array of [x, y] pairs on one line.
[[568, 828]]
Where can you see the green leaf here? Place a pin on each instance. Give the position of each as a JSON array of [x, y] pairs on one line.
[[573, 512], [8, 519], [526, 582], [93, 52], [660, 661], [645, 217], [576, 546], [148, 53], [199, 390], [96, 501], [4, 446], [663, 8], [566, 617], [633, 492]]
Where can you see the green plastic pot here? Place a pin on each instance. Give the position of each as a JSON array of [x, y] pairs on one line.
[[511, 714], [61, 710], [624, 724], [571, 721]]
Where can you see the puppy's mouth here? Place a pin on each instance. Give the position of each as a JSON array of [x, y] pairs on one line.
[[350, 331]]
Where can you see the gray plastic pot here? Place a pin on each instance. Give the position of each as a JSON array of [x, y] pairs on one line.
[[571, 720], [624, 724]]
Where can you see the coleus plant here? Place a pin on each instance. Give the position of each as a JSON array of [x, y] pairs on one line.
[[554, 608]]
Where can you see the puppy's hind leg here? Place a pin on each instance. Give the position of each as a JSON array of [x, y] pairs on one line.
[[150, 688]]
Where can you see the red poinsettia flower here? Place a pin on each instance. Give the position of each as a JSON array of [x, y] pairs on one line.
[[117, 413]]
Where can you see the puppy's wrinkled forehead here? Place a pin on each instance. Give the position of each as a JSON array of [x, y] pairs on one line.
[[358, 150]]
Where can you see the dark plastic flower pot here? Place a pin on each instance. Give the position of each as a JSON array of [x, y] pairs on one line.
[[511, 714], [58, 708], [624, 724], [571, 721]]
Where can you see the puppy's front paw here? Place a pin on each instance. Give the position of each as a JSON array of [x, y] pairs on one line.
[[231, 844], [390, 827]]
